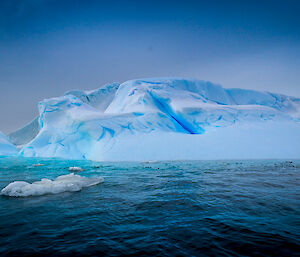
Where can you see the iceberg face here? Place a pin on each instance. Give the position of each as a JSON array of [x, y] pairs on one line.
[[6, 147], [64, 183], [153, 119]]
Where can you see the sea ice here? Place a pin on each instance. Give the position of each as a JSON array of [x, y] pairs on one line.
[[64, 183], [38, 165], [75, 169]]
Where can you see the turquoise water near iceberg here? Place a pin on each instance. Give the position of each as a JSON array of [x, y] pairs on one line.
[[194, 208]]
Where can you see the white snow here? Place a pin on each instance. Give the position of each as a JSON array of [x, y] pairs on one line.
[[155, 119], [64, 183], [99, 98], [6, 147]]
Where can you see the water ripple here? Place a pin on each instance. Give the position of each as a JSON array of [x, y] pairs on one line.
[[196, 208]]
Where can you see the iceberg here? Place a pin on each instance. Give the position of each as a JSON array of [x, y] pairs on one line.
[[6, 147], [64, 183], [164, 119]]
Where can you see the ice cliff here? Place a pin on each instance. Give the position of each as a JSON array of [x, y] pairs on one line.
[[166, 118]]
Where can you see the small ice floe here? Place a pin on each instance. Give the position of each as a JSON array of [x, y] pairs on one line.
[[64, 183], [38, 165], [148, 162], [77, 169]]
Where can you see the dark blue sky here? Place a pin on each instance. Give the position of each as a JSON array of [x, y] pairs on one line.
[[49, 47]]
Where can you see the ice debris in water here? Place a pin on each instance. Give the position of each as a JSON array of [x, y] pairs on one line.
[[38, 165], [75, 169], [64, 183]]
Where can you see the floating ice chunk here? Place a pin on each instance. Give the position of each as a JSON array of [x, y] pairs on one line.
[[147, 162], [75, 169], [64, 183], [38, 165]]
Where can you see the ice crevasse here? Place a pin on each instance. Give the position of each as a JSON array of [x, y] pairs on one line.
[[163, 119]]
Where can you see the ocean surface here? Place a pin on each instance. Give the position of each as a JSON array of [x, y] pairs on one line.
[[186, 208]]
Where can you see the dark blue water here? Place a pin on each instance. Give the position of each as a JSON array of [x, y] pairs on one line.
[[203, 208]]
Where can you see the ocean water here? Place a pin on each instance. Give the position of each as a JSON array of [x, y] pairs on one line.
[[194, 208]]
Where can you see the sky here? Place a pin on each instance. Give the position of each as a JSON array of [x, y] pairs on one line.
[[48, 47]]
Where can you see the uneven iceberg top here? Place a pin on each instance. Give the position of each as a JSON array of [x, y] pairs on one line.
[[112, 122]]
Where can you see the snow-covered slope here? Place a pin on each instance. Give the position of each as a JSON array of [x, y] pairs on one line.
[[6, 147], [150, 119]]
